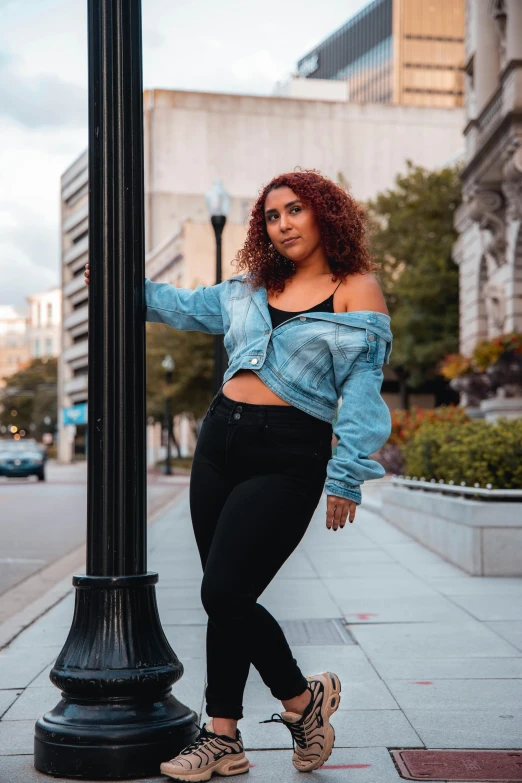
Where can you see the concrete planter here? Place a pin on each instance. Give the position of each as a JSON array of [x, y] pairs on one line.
[[482, 537], [494, 407]]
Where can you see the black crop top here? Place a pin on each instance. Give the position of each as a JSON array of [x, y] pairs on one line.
[[278, 316]]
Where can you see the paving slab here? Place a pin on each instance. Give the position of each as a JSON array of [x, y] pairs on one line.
[[412, 552], [353, 728], [16, 737], [503, 695], [432, 571], [295, 599], [349, 662], [511, 632], [428, 640], [464, 729], [416, 619], [364, 690], [183, 617], [180, 569], [324, 559], [190, 689], [491, 608], [187, 641], [382, 533], [480, 585], [335, 566], [43, 678], [354, 765], [173, 597], [349, 588], [7, 697], [172, 581], [33, 703], [17, 671], [393, 609], [41, 634], [298, 566], [448, 668]]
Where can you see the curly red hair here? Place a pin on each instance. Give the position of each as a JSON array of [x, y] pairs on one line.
[[342, 224]]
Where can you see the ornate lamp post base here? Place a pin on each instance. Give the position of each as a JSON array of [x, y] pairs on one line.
[[117, 717]]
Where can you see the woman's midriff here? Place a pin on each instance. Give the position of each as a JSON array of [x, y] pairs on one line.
[[245, 386]]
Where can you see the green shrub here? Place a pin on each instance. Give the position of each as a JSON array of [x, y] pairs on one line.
[[477, 452]]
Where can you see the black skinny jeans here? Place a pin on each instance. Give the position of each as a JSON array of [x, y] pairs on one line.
[[257, 477]]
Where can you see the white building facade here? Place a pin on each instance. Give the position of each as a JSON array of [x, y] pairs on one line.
[[191, 139], [14, 347], [489, 221], [44, 326]]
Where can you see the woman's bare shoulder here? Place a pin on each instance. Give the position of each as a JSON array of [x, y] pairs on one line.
[[362, 291]]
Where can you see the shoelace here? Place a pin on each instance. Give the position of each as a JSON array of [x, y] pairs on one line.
[[297, 730], [202, 737]]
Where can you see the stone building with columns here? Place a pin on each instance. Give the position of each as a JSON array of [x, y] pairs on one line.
[[489, 220]]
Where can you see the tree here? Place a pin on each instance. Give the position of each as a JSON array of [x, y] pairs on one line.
[[191, 387], [30, 396], [412, 236]]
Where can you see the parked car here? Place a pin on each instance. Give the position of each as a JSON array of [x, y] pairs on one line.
[[19, 458]]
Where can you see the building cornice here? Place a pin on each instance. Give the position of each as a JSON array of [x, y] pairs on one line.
[[512, 65], [487, 145]]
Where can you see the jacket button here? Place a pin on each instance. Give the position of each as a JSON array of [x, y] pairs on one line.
[[253, 361], [302, 318], [371, 337]]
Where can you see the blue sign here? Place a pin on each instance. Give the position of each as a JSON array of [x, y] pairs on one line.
[[75, 414]]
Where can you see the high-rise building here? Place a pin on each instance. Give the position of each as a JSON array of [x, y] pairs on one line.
[[408, 52]]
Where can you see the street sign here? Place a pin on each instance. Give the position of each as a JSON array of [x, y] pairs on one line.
[[75, 414]]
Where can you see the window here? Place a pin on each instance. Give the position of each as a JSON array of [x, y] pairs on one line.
[[80, 237], [38, 314], [49, 313], [49, 347], [37, 348]]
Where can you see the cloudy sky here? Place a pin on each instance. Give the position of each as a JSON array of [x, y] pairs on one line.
[[239, 46]]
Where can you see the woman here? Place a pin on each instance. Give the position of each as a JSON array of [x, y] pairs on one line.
[[306, 324]]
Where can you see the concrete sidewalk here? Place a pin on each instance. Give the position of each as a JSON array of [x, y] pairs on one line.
[[429, 656]]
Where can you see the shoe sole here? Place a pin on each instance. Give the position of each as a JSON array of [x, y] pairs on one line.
[[223, 767], [332, 698]]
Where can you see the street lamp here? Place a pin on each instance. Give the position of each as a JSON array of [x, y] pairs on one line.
[[168, 365], [117, 717], [218, 204]]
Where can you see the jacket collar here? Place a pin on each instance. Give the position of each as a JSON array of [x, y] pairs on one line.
[[363, 319]]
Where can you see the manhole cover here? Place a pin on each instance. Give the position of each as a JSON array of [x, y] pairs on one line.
[[316, 632], [495, 766]]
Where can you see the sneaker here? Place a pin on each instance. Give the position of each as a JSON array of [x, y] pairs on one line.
[[209, 753], [313, 737]]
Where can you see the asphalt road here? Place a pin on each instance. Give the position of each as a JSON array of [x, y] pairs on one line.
[[42, 521]]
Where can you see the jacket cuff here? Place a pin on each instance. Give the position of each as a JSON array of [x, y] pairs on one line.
[[349, 491]]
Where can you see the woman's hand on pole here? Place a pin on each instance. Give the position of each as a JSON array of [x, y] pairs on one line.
[[86, 274], [338, 510]]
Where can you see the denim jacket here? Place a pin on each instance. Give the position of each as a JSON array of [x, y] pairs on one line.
[[309, 361]]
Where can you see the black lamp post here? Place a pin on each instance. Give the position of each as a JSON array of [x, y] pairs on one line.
[[117, 717], [218, 203], [168, 365]]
